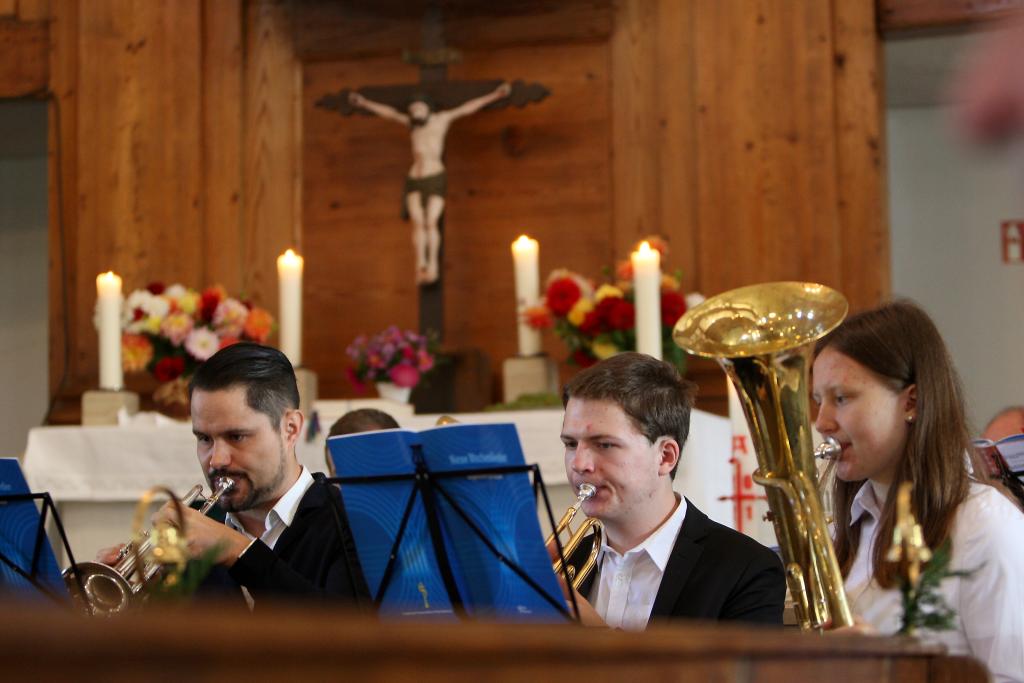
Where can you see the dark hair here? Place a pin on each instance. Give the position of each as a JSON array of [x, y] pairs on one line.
[[265, 372], [899, 342], [652, 393], [362, 420], [425, 98]]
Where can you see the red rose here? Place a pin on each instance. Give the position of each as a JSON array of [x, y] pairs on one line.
[[673, 305], [138, 314], [592, 324], [562, 295], [156, 288], [621, 314], [582, 358], [170, 368], [208, 305]]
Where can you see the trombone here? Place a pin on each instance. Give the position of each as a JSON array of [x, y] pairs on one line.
[[577, 576], [109, 589]]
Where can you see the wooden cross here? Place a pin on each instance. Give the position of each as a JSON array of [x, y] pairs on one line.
[[433, 59]]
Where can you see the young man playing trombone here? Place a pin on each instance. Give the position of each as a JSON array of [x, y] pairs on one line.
[[283, 535], [626, 421]]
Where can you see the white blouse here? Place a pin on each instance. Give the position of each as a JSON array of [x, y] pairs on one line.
[[988, 536]]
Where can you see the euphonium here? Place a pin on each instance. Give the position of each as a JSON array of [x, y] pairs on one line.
[[577, 576], [762, 336], [110, 589]]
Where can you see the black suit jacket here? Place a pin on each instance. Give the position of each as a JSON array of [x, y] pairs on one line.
[[713, 573], [314, 558]]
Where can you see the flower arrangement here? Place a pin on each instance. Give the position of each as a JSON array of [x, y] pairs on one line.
[[598, 322], [169, 331], [394, 355]]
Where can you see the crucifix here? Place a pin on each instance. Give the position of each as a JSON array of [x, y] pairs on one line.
[[428, 108]]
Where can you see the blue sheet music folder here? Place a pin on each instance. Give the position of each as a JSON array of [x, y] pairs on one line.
[[20, 542], [500, 504]]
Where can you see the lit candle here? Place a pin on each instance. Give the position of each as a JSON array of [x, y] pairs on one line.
[[108, 296], [525, 253], [647, 291], [289, 278]]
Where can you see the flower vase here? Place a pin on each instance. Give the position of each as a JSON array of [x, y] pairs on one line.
[[393, 392]]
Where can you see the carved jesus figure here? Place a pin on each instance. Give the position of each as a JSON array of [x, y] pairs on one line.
[[426, 184]]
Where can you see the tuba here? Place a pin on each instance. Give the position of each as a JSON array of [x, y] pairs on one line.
[[762, 336], [108, 590]]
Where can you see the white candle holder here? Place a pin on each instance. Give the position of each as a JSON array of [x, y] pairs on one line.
[[100, 407], [528, 375]]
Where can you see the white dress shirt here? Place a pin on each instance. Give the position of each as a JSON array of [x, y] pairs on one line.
[[626, 585], [281, 515], [987, 536]]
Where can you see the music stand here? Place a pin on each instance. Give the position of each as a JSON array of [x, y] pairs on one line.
[[34, 546], [443, 507]]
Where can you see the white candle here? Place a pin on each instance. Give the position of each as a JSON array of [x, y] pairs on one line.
[[108, 296], [647, 291], [289, 278], [525, 253]]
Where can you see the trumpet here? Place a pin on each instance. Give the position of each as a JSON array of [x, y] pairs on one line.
[[577, 576], [109, 589]]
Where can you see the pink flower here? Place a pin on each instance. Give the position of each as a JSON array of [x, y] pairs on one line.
[[202, 343], [176, 327], [229, 317], [404, 375]]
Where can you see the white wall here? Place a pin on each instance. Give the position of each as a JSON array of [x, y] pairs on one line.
[[23, 272], [946, 205]]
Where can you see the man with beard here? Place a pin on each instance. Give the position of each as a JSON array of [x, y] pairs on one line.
[[426, 184], [284, 533]]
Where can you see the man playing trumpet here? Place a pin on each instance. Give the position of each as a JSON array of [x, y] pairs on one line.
[[283, 534], [626, 421]]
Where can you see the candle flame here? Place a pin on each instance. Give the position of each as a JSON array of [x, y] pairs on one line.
[[645, 247], [289, 259]]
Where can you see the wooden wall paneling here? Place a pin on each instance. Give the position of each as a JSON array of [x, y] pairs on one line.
[[8, 9], [24, 57], [676, 125], [33, 10], [905, 15], [270, 156], [541, 170], [766, 150], [139, 160], [359, 258], [222, 106], [860, 151], [636, 185], [327, 31], [728, 147], [62, 157]]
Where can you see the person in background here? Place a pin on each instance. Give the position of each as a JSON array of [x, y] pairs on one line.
[[355, 421]]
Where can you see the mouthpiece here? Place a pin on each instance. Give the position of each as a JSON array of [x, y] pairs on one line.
[[829, 449]]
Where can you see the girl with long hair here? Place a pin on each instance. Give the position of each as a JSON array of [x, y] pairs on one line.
[[887, 390]]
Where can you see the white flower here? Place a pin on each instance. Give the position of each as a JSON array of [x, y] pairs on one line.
[[154, 310], [202, 343], [175, 292], [694, 299]]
